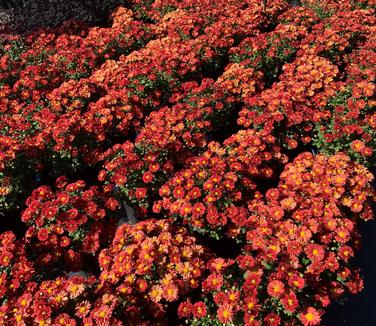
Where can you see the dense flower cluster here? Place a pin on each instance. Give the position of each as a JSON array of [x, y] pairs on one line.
[[210, 194], [44, 91], [202, 162], [150, 264], [15, 269], [295, 99], [300, 237], [351, 126], [66, 224], [134, 175], [34, 70], [312, 91], [61, 301]]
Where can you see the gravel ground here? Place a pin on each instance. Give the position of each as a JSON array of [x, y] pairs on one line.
[[23, 15]]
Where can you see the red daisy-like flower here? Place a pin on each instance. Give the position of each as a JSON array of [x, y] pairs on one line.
[[310, 317], [225, 313], [43, 234], [185, 309], [290, 302], [170, 292], [276, 288], [199, 309]]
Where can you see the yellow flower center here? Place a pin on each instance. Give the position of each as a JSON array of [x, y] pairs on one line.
[[226, 313]]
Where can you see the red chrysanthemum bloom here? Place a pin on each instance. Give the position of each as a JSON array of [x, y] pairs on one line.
[[276, 288], [43, 234], [225, 313], [185, 309], [290, 302], [140, 193], [357, 145], [310, 317], [272, 319], [170, 292], [199, 309]]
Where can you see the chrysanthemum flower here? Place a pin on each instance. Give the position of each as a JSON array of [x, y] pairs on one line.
[[310, 317], [225, 313]]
